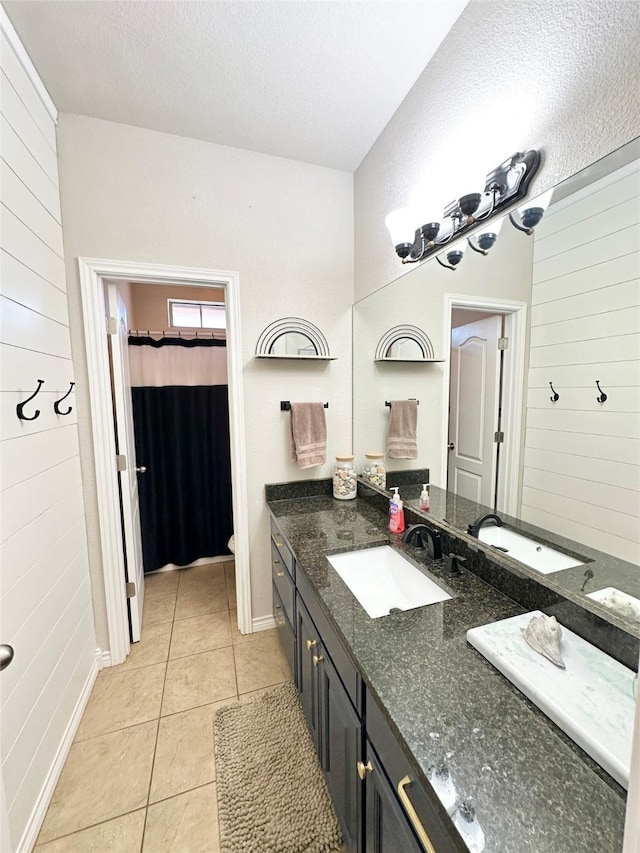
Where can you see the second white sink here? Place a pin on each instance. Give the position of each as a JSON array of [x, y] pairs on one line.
[[534, 554], [383, 580]]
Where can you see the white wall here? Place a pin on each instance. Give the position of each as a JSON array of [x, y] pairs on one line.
[[286, 227], [45, 600], [559, 76], [582, 458]]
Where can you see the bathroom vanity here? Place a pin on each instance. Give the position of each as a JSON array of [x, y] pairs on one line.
[[424, 745]]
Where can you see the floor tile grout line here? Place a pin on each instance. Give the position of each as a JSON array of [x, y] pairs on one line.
[[116, 731], [91, 826], [155, 745]]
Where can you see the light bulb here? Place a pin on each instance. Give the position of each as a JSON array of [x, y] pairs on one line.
[[402, 224]]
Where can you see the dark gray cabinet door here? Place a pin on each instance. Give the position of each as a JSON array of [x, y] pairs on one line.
[[340, 748], [309, 658], [387, 829]]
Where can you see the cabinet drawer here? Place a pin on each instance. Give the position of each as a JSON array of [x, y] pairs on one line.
[[283, 583], [430, 813], [285, 633], [341, 660], [278, 541]]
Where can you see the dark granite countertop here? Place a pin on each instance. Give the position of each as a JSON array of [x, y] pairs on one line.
[[533, 789]]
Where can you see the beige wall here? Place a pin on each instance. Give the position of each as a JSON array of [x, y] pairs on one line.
[[135, 195], [149, 304], [560, 76]]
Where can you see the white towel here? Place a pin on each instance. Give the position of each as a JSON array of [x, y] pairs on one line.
[[403, 425], [308, 445]]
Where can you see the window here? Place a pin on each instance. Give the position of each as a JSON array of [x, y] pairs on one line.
[[196, 315]]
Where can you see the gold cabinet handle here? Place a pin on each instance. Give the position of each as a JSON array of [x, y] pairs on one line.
[[413, 816], [311, 644], [363, 769], [279, 573], [317, 659]]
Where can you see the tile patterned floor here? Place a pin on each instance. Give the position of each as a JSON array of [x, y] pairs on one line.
[[140, 775]]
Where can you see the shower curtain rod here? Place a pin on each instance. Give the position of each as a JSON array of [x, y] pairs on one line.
[[198, 333]]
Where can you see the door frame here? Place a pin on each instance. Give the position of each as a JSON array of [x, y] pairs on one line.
[[92, 273], [513, 389]]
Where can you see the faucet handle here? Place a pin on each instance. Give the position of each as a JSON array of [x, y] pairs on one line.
[[452, 564]]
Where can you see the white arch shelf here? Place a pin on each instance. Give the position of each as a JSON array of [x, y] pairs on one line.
[[293, 325], [402, 333]]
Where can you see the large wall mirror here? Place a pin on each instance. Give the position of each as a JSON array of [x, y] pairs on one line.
[[565, 302]]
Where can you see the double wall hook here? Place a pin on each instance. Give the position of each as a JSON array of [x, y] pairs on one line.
[[20, 407], [555, 396], [603, 397], [56, 405]]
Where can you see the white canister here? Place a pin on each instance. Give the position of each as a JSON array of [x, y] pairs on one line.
[[373, 470], [345, 484]]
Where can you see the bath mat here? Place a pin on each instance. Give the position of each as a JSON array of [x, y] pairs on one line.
[[272, 797]]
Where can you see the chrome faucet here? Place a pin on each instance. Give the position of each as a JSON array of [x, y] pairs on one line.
[[474, 529], [421, 536]]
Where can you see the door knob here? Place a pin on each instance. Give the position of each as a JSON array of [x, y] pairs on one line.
[[6, 656], [451, 446], [141, 469]]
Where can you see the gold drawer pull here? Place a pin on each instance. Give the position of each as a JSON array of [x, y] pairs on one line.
[[316, 659], [363, 769], [413, 816], [279, 544], [311, 643]]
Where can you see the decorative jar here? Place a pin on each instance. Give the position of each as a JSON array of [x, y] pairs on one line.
[[373, 470], [345, 484]]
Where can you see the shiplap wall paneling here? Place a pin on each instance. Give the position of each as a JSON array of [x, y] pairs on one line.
[[45, 596], [582, 458]]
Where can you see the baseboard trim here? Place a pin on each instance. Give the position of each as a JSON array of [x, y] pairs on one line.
[[202, 561], [104, 658], [262, 623], [36, 819]]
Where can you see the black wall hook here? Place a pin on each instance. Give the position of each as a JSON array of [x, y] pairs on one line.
[[20, 406], [56, 405], [556, 396], [603, 397]]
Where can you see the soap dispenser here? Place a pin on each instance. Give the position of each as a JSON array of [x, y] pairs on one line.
[[396, 513], [425, 504]]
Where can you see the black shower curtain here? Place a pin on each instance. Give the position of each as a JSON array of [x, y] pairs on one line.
[[182, 438]]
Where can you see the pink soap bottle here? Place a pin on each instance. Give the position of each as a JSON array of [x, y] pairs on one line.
[[396, 513]]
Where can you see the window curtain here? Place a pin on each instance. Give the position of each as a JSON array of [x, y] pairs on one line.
[[181, 422]]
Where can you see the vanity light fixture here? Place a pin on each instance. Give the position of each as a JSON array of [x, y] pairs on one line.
[[507, 183], [531, 213], [486, 239], [454, 256]]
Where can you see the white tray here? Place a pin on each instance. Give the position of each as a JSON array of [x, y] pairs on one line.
[[591, 700]]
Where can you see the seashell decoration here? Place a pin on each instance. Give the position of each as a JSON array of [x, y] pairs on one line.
[[543, 635]]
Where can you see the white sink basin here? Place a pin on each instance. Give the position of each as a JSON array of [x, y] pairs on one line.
[[591, 700], [382, 580], [540, 557]]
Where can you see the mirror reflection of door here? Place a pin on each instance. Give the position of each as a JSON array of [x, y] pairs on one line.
[[474, 403]]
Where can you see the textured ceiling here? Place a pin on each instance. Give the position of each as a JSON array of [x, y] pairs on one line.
[[312, 81]]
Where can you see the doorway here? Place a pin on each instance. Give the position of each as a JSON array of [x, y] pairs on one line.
[[93, 274], [484, 396]]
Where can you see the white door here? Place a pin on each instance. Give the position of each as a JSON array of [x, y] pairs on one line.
[[473, 410], [128, 478]]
